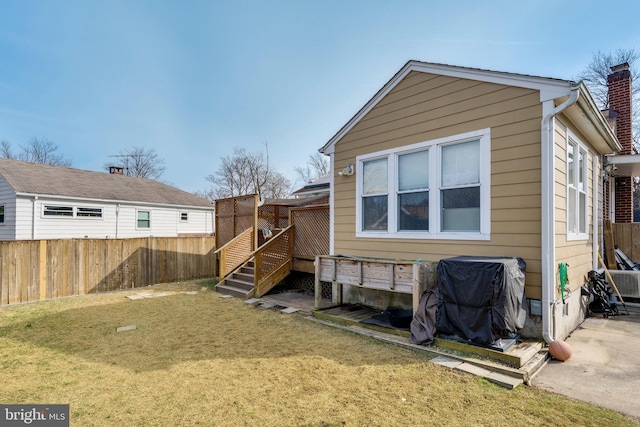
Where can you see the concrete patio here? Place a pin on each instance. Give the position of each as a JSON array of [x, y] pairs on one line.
[[605, 366]]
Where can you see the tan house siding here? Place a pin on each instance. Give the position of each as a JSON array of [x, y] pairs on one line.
[[424, 107], [576, 253]]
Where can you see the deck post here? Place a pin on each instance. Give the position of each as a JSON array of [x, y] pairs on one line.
[[318, 285], [336, 293], [419, 285]]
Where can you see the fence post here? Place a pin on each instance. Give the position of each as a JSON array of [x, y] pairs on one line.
[[42, 271]]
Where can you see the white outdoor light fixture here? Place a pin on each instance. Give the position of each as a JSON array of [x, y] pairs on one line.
[[348, 171]]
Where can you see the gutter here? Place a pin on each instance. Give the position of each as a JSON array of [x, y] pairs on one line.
[[548, 211]]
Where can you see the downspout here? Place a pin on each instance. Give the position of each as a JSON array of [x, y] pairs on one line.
[[332, 186], [33, 218], [117, 217], [598, 183], [548, 213]]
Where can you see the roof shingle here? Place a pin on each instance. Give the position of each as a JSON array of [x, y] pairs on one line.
[[32, 178]]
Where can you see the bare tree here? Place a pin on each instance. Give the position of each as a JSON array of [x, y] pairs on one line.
[[40, 151], [317, 166], [596, 72], [595, 77], [247, 173], [5, 150], [277, 186], [141, 162]]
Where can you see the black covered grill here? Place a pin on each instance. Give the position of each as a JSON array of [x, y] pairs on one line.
[[481, 299]]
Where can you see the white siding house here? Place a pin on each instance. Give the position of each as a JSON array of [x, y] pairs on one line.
[[49, 202]]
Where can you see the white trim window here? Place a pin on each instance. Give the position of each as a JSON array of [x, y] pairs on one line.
[[57, 210], [437, 189], [143, 219], [577, 183], [71, 211], [85, 212]]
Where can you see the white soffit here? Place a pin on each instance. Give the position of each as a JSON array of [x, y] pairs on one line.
[[624, 164]]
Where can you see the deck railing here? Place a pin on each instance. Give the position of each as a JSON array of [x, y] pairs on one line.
[[235, 252], [273, 261]]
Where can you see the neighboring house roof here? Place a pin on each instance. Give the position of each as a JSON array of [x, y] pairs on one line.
[[302, 201], [589, 117], [313, 187], [38, 179]]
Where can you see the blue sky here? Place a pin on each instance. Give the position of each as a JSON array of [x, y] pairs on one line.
[[193, 79]]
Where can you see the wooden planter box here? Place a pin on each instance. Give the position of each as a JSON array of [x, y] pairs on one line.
[[401, 276]]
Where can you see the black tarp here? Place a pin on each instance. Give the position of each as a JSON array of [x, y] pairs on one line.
[[481, 299]]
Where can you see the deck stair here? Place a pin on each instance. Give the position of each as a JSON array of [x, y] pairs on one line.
[[239, 283]]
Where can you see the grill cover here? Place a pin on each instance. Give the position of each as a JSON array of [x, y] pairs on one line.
[[481, 299]]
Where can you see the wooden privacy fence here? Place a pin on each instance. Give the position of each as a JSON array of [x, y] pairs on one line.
[[33, 270], [627, 237]]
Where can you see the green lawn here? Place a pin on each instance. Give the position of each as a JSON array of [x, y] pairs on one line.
[[203, 360]]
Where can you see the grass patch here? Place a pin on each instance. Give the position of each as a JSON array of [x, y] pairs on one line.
[[203, 360]]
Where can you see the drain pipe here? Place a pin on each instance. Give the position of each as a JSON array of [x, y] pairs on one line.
[[548, 211]]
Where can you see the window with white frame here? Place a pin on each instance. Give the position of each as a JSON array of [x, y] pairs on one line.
[[577, 213], [89, 212], [437, 189], [143, 219], [57, 210]]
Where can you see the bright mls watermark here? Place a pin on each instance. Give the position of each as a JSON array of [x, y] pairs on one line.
[[34, 415]]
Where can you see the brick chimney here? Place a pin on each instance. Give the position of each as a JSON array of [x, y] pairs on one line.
[[619, 84], [116, 170]]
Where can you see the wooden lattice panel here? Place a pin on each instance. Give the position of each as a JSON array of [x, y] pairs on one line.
[[237, 253], [266, 217], [275, 254], [312, 231], [224, 206], [233, 216], [224, 230], [245, 205], [273, 216]]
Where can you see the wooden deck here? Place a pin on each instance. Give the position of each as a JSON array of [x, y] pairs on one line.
[[303, 302]]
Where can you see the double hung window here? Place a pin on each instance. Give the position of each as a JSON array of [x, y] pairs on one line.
[[144, 219], [435, 189], [577, 214]]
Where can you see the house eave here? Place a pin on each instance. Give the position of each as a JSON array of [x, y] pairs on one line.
[[590, 121]]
